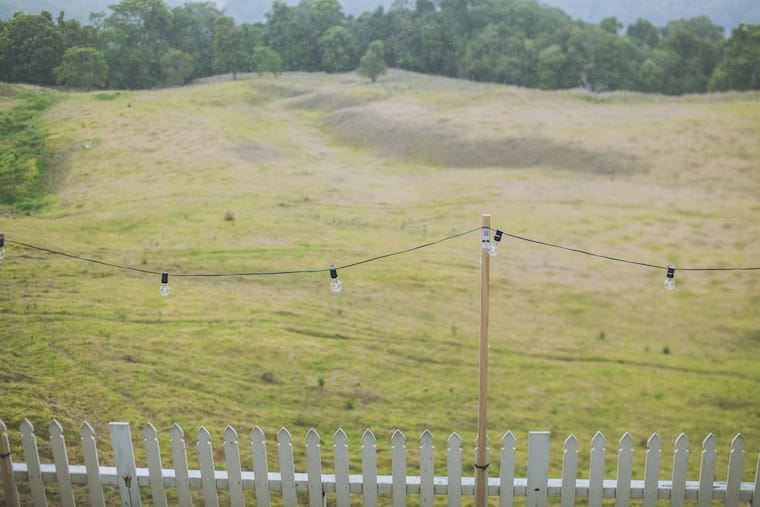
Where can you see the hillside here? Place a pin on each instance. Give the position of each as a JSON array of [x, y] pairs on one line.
[[309, 170]]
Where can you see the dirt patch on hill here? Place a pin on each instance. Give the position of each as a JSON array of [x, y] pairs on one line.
[[447, 144]]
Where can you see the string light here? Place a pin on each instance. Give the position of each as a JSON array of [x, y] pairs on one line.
[[335, 284], [670, 282], [493, 246], [164, 288]]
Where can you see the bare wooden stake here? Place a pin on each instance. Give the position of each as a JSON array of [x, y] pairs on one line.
[[481, 475]]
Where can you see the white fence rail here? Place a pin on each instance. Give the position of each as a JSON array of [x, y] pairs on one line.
[[371, 488]]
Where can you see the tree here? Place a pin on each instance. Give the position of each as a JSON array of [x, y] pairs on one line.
[[372, 64], [740, 67], [644, 33], [135, 36], [30, 48], [338, 49], [82, 68], [176, 67], [697, 43], [228, 47], [193, 33], [611, 25], [266, 59]]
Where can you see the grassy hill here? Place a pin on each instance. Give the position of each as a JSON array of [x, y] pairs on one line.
[[310, 170]]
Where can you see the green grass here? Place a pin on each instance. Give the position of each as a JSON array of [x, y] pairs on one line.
[[398, 347], [23, 153]]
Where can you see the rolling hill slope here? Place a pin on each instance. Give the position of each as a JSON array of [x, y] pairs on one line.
[[308, 170]]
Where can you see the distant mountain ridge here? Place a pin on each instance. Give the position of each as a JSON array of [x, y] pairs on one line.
[[726, 13]]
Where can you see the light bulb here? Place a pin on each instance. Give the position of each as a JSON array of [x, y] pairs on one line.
[[335, 284], [670, 282], [493, 247], [164, 288], [2, 246]]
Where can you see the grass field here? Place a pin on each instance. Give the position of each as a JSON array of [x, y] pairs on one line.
[[309, 170]]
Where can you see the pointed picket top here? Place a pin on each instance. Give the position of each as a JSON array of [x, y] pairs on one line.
[[230, 435], [626, 441], [398, 438], [738, 442], [508, 440], [682, 443], [312, 437], [257, 434], [203, 435], [26, 427], [150, 432], [368, 438], [283, 436], [340, 438], [176, 432], [571, 444], [654, 443], [426, 438], [710, 443], [598, 441], [455, 441], [86, 430], [56, 430], [3, 427]]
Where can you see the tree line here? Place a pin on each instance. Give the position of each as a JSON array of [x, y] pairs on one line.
[[146, 44]]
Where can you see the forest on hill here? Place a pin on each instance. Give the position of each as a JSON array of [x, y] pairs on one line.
[[145, 44]]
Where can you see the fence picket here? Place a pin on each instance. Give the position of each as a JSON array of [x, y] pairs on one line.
[[624, 471], [206, 458], [398, 468], [61, 460], [234, 470], [735, 466], [92, 463], [680, 466], [314, 468], [179, 459], [538, 468], [569, 472], [369, 468], [32, 458], [707, 471], [652, 471], [10, 491], [755, 502], [260, 467], [340, 458], [454, 470], [126, 470], [507, 470], [427, 471], [155, 469], [287, 470], [596, 471]]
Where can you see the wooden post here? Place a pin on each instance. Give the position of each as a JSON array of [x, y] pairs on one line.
[[481, 461], [6, 469]]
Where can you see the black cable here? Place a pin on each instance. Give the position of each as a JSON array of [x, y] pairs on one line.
[[617, 259], [251, 273], [372, 259]]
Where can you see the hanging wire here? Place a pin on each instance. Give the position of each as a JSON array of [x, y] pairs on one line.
[[373, 259], [626, 261]]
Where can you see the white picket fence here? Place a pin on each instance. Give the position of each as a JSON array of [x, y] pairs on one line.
[[371, 488]]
